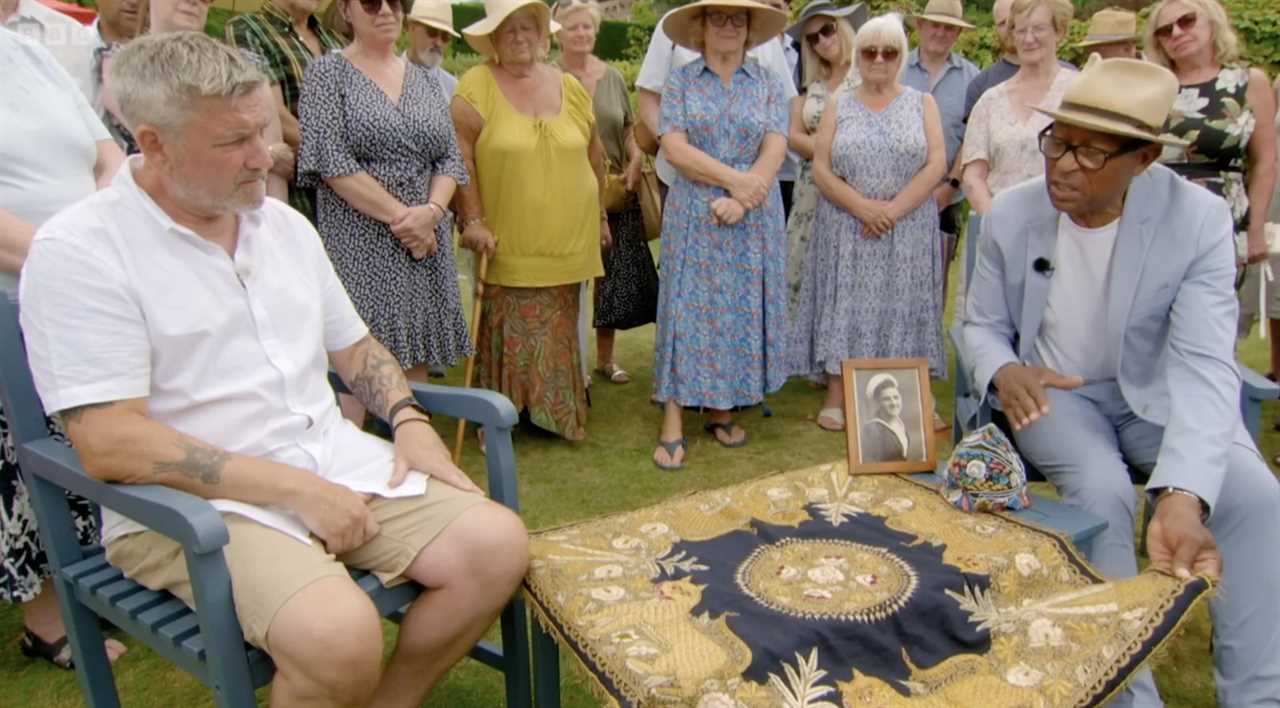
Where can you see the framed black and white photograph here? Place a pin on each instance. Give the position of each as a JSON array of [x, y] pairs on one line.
[[889, 412]]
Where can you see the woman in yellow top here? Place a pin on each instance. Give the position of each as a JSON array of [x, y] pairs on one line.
[[528, 135]]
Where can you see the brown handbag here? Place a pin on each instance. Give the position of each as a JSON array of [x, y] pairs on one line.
[[650, 201], [615, 195]]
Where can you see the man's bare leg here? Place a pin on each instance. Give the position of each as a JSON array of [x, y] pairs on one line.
[[470, 571], [327, 646]]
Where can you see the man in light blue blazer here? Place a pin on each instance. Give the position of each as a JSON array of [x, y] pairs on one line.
[[1101, 316]]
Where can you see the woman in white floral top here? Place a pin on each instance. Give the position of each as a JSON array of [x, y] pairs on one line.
[[1002, 142], [1221, 103]]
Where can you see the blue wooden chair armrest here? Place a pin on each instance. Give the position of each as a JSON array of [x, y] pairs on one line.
[[185, 518], [1254, 389]]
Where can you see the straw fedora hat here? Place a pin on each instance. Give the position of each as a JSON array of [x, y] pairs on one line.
[[1111, 25], [478, 33], [944, 12], [683, 27], [856, 15], [1125, 97], [437, 14]]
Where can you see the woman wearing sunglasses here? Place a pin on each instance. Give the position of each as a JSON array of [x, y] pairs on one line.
[[825, 33], [530, 140], [722, 316], [873, 283], [627, 295], [1220, 104], [1001, 145], [378, 147]]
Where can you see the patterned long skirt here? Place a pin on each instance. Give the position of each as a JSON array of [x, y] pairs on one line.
[[24, 565], [528, 351]]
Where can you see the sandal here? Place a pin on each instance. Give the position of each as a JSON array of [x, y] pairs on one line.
[[57, 653], [672, 447], [727, 428], [614, 373], [835, 415]]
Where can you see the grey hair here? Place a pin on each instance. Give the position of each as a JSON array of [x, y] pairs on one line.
[[157, 77]]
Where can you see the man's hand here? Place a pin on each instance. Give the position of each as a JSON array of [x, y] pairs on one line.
[[418, 447], [1022, 391], [478, 238], [749, 189], [416, 229], [339, 517], [1178, 544]]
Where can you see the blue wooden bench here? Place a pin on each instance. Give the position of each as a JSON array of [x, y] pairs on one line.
[[205, 642]]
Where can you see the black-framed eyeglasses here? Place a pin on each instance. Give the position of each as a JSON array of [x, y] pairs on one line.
[[720, 19], [1186, 22], [372, 7], [824, 31], [1087, 156]]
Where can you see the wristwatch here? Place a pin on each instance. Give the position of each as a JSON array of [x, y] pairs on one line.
[[403, 403], [1163, 492]]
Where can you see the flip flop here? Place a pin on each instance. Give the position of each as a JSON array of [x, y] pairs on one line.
[[57, 653], [727, 429], [672, 447], [614, 373], [832, 414]]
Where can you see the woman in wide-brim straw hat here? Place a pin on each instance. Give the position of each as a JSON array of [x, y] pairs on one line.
[[528, 135], [722, 303]]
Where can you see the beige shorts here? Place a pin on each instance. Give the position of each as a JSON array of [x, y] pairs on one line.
[[268, 567]]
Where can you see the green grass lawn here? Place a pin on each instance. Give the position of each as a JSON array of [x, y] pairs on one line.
[[611, 471]]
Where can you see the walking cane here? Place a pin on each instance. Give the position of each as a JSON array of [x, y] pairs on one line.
[[470, 371]]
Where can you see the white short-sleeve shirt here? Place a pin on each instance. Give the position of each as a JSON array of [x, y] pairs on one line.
[[121, 302], [70, 42], [49, 145], [664, 56]]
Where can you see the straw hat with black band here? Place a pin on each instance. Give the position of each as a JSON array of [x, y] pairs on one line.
[[478, 34], [1126, 97], [944, 12], [1110, 26], [856, 15], [436, 14], [684, 27]]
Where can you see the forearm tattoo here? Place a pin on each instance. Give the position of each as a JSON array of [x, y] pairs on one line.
[[199, 462], [378, 380], [75, 413]]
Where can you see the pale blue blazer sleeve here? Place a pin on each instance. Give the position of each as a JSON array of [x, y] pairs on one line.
[[990, 324]]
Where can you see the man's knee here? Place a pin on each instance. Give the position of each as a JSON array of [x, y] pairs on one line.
[[326, 641], [486, 547]]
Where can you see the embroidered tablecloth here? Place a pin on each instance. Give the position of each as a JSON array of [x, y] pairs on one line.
[[815, 589]]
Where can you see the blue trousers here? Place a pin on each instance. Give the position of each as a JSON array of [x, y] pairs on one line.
[[1085, 447]]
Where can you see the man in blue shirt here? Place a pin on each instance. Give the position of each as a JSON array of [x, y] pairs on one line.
[[934, 69]]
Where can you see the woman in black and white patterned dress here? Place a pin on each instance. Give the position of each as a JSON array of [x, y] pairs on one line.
[[378, 145]]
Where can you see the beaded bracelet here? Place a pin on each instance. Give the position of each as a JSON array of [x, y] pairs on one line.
[[469, 222]]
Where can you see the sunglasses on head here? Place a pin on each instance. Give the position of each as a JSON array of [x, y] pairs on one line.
[[888, 54], [824, 31], [1184, 23], [371, 7], [720, 19]]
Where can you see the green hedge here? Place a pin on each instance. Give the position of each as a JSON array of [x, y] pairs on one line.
[[611, 43]]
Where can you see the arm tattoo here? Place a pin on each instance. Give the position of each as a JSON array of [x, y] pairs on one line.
[[378, 380], [75, 413], [199, 462]]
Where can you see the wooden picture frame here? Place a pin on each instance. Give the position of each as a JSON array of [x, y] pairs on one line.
[[880, 439]]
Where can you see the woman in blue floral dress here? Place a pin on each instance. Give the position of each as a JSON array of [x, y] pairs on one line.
[[722, 301]]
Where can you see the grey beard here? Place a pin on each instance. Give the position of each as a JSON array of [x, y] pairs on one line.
[[430, 58]]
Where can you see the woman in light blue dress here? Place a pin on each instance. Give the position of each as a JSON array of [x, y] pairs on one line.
[[873, 284], [722, 299]]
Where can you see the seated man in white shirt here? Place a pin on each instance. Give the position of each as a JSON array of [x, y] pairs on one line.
[[179, 321]]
